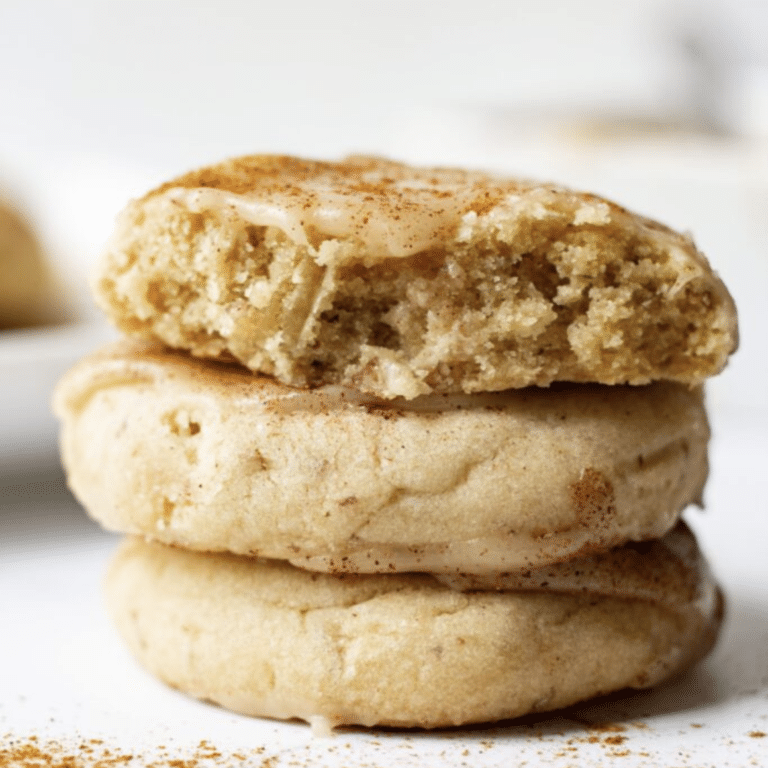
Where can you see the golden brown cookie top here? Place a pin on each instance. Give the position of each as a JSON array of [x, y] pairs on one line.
[[395, 186], [393, 208]]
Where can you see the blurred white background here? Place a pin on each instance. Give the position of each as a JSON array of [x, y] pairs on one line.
[[167, 84]]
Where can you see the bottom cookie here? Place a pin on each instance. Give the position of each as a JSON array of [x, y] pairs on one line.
[[265, 638]]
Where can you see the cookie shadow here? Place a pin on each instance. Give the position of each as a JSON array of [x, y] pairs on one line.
[[736, 668]]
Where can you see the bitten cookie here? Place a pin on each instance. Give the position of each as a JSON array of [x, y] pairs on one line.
[[209, 456], [402, 281], [265, 638]]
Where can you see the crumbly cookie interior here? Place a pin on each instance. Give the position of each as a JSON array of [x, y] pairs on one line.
[[533, 285]]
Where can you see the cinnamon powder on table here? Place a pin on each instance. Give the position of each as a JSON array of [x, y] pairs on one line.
[[34, 752]]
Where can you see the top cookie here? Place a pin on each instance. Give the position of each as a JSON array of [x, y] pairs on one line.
[[401, 281]]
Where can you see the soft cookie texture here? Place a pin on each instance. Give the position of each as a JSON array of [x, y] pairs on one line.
[[212, 457], [265, 638], [402, 281]]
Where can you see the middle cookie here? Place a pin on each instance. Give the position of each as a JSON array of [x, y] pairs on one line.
[[209, 456]]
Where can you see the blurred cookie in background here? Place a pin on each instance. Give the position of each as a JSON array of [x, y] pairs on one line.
[[28, 293]]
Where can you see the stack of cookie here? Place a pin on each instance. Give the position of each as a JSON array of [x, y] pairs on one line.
[[399, 446]]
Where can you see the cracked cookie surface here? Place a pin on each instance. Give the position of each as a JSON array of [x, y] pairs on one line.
[[402, 281]]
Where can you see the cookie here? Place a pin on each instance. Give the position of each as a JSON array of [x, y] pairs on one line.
[[264, 638], [211, 457], [25, 285], [402, 281]]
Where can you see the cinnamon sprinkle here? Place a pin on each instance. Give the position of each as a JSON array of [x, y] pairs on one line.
[[34, 752]]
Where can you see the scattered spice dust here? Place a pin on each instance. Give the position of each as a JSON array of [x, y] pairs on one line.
[[33, 752], [606, 735], [605, 727]]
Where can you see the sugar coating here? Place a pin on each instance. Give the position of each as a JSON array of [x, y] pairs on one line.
[[402, 281]]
